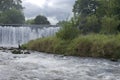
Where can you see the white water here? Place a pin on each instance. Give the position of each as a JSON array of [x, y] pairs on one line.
[[12, 36], [41, 66]]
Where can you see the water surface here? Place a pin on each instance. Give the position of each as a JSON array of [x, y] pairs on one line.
[[41, 66]]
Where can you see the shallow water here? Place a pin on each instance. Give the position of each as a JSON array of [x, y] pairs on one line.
[[41, 66]]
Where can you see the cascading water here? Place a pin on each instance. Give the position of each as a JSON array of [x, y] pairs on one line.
[[12, 36]]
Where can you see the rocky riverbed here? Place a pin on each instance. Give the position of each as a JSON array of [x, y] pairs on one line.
[[41, 66]]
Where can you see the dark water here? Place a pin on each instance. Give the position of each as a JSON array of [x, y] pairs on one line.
[[41, 66]]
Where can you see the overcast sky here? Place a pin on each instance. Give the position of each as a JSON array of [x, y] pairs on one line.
[[54, 10]]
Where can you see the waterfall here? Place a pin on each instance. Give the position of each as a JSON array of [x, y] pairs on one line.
[[12, 36]]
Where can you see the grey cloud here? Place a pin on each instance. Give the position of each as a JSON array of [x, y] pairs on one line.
[[61, 9]]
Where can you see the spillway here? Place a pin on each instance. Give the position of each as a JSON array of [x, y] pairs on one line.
[[12, 36]]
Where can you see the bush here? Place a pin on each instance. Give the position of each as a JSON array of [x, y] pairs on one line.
[[109, 25], [92, 24], [89, 24], [79, 47], [67, 32]]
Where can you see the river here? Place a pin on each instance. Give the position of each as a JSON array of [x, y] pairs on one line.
[[42, 66]]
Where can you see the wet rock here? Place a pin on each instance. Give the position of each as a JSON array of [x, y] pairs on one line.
[[114, 59], [26, 52], [17, 52], [2, 48]]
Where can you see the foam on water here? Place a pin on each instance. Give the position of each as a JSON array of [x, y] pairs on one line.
[[41, 66]]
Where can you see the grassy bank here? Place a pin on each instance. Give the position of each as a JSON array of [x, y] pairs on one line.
[[94, 45]]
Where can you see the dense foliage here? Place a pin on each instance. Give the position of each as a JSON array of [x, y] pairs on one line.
[[11, 12], [9, 4], [68, 32], [41, 20], [38, 20], [29, 21], [96, 15], [12, 16]]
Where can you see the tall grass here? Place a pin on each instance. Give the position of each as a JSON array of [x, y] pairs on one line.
[[94, 45]]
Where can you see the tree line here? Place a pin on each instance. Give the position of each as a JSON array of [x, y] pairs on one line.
[[11, 12], [97, 16]]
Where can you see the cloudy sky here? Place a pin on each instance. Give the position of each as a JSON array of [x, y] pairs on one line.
[[55, 10]]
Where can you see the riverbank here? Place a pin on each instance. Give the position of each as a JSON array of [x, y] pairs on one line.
[[95, 45]]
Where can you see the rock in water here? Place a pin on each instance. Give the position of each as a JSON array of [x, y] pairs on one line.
[[114, 59], [17, 52], [26, 52]]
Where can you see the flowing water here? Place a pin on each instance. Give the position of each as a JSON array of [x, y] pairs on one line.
[[41, 66], [12, 36]]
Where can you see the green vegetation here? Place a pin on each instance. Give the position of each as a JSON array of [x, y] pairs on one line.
[[11, 12], [109, 25], [94, 45], [38, 20], [68, 32], [41, 20], [95, 16], [10, 4], [12, 16], [29, 21]]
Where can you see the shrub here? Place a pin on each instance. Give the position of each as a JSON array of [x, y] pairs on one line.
[[104, 46], [92, 24], [68, 32], [109, 25]]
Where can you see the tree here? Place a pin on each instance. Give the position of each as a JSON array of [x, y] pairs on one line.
[[11, 12], [106, 8], [109, 14], [85, 15], [30, 21], [41, 20], [85, 7], [9, 4], [117, 8], [96, 15], [12, 16]]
